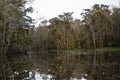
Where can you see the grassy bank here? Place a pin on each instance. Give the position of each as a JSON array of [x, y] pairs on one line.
[[108, 49]]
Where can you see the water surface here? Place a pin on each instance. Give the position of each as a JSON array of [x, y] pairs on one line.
[[60, 65]]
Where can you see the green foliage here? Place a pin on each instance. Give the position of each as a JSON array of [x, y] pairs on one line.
[[14, 25], [99, 28]]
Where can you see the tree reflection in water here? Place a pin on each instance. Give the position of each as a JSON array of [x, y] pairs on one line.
[[60, 65]]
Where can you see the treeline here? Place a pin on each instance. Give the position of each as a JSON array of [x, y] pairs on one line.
[[99, 27], [14, 26]]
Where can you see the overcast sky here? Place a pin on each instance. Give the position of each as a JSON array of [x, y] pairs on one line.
[[48, 9]]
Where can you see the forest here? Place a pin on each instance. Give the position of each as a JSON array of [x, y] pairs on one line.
[[98, 28]]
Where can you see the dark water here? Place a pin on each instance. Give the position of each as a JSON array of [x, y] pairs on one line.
[[60, 65]]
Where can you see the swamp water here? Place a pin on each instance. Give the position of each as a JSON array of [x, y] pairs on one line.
[[60, 65]]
